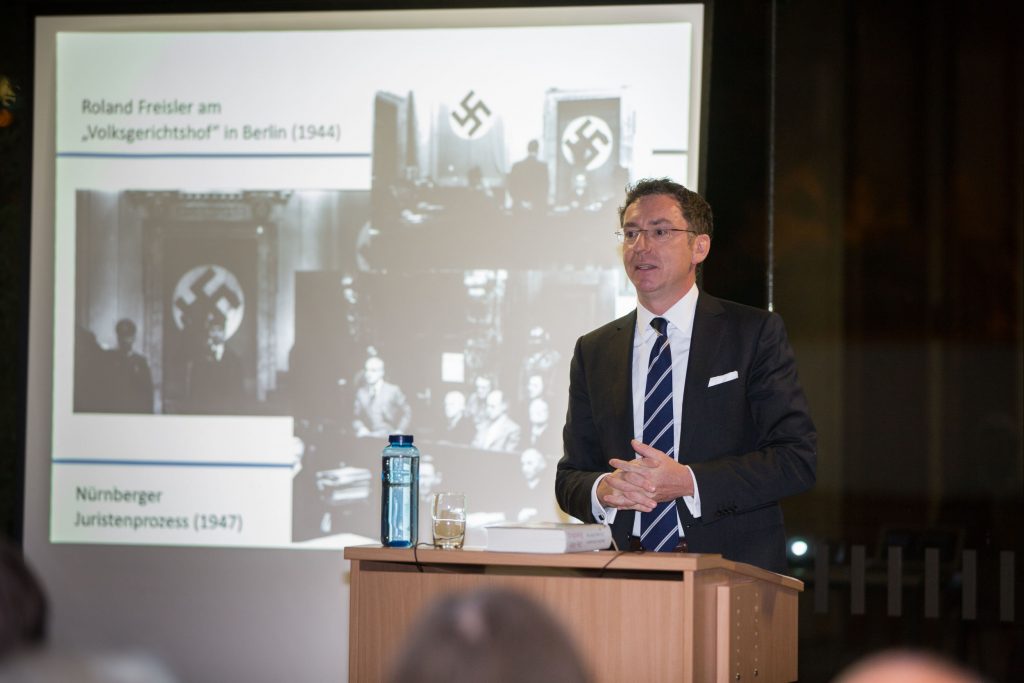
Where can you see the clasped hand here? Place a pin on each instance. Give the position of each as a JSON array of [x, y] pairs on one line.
[[642, 483]]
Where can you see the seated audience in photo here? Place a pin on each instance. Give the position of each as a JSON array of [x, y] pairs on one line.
[[476, 404], [542, 358], [489, 635], [537, 493], [542, 435], [459, 426], [498, 432], [534, 387]]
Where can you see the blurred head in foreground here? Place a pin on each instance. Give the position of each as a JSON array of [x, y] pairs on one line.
[[488, 635], [906, 666], [23, 604]]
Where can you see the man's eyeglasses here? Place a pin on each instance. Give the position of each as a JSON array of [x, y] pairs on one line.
[[629, 236]]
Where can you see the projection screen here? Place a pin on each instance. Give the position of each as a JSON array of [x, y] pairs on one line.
[[262, 242]]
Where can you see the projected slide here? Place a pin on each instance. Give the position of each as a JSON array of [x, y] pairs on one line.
[[274, 248]]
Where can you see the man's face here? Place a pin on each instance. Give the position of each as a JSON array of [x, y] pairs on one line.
[[661, 272], [483, 386], [532, 463], [495, 405], [374, 370], [125, 339], [453, 405], [215, 333]]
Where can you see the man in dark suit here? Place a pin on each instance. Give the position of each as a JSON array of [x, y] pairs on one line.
[[528, 181], [742, 437], [380, 407], [128, 384]]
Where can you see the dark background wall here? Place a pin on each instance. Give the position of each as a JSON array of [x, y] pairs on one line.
[[15, 152], [866, 166], [865, 161]]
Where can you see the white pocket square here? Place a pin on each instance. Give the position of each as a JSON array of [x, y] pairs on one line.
[[727, 377]]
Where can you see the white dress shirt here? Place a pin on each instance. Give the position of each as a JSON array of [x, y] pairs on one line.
[[680, 330]]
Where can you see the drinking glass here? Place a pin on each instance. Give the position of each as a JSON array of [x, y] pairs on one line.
[[448, 520]]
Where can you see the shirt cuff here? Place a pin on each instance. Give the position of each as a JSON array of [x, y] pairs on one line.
[[602, 514], [692, 502]]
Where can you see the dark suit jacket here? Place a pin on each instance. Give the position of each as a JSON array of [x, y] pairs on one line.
[[749, 441]]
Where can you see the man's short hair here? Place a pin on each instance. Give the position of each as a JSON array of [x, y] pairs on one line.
[[695, 208], [488, 634]]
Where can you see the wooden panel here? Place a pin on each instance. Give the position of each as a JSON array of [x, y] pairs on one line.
[[644, 617], [703, 595], [585, 607], [756, 634]]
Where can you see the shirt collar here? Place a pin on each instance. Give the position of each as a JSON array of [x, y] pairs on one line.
[[680, 316]]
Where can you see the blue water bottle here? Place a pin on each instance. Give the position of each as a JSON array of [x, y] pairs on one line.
[[400, 492]]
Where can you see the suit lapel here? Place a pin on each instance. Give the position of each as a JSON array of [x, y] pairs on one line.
[[618, 368], [620, 371], [708, 328]]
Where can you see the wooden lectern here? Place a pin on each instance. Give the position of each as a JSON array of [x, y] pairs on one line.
[[716, 620]]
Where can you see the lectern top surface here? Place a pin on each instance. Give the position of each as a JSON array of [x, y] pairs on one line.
[[598, 559]]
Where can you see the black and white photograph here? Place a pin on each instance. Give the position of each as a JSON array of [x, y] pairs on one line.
[[440, 302], [512, 258]]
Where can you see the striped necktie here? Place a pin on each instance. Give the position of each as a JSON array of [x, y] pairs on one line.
[[659, 529]]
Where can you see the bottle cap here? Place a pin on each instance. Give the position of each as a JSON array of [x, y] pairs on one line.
[[400, 439]]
